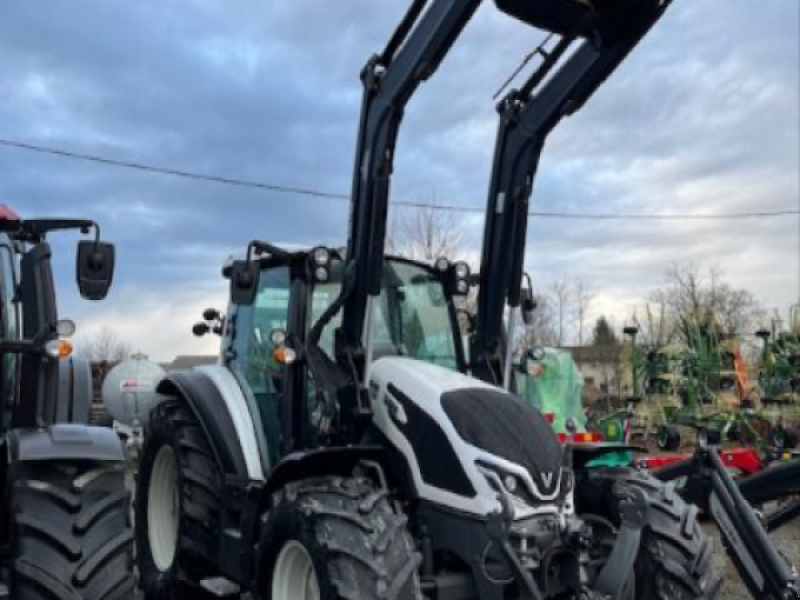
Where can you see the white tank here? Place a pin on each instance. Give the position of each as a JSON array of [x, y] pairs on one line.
[[129, 390]]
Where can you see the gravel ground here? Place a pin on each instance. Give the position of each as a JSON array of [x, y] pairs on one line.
[[788, 541]]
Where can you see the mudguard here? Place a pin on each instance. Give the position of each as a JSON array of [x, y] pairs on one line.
[[211, 405], [75, 393], [65, 442], [317, 463]]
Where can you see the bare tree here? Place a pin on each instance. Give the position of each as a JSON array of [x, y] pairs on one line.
[[608, 350], [690, 292], [105, 346], [425, 233], [561, 295], [583, 296], [654, 328]]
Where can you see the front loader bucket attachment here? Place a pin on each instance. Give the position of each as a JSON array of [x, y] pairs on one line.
[[583, 18]]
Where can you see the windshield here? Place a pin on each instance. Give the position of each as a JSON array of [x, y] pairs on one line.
[[412, 317]]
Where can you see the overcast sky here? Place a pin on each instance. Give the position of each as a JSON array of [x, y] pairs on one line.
[[703, 118]]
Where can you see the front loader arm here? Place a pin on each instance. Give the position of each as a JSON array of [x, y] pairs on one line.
[[390, 79], [527, 116]]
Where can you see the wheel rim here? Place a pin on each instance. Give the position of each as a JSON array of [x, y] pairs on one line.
[[294, 577], [163, 508]]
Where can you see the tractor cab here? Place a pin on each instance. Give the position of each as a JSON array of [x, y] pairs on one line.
[[286, 292]]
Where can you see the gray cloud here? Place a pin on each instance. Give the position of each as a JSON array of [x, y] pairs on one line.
[[703, 117]]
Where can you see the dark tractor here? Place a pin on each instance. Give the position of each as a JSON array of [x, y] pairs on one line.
[[65, 520], [346, 448]]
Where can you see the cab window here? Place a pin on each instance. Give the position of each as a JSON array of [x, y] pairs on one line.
[[253, 363]]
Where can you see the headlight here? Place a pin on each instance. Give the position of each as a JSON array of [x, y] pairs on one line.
[[278, 337], [321, 257], [321, 274], [462, 270], [507, 484], [442, 264], [462, 287]]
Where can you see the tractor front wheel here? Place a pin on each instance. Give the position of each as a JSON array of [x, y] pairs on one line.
[[335, 538], [177, 504], [674, 560]]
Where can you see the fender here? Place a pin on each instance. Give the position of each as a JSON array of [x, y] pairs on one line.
[[318, 463], [65, 442], [217, 401], [75, 393]]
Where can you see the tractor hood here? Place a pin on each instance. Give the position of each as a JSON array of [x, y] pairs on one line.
[[465, 440]]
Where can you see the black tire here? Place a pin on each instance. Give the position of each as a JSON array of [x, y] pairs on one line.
[[674, 561], [173, 425], [70, 532], [669, 438], [707, 436], [784, 438], [359, 546]]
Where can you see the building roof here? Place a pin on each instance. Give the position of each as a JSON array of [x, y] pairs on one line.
[[190, 361], [593, 354]]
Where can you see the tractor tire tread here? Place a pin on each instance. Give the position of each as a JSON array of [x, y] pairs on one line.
[[365, 544], [172, 422], [674, 560], [71, 534]]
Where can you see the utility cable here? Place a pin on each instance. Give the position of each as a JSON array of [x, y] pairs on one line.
[[315, 193]]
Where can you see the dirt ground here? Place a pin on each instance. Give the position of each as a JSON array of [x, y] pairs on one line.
[[788, 541]]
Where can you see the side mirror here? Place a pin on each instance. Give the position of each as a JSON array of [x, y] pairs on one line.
[[95, 269], [527, 306], [244, 282]]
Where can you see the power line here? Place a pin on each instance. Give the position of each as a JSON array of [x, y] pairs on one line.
[[173, 172], [303, 191]]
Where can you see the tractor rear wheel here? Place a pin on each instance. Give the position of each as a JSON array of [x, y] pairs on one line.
[[674, 561], [70, 532], [177, 507], [334, 538]]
